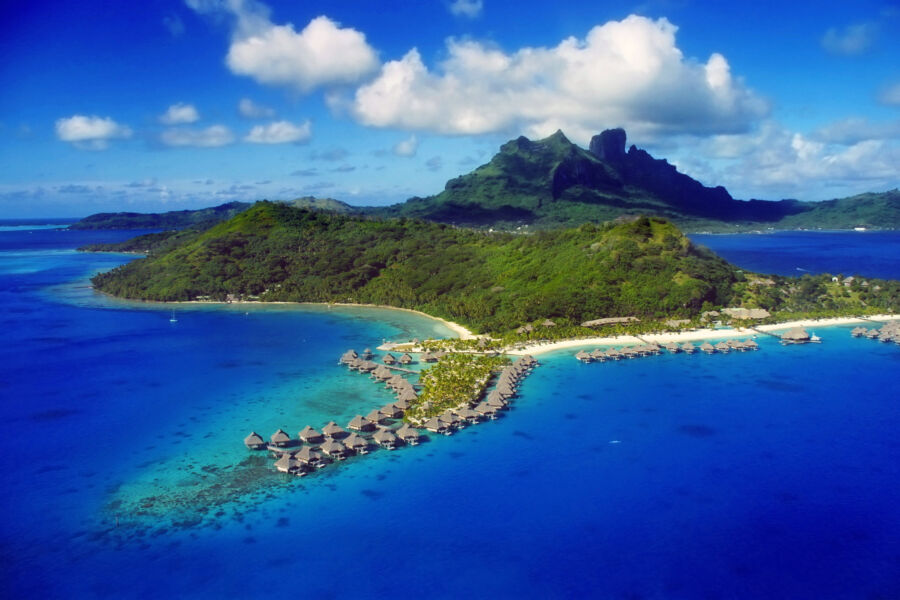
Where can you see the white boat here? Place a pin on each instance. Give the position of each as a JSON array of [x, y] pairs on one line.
[[172, 319]]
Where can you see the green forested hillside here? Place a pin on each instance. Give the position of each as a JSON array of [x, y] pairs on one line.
[[176, 219], [490, 281]]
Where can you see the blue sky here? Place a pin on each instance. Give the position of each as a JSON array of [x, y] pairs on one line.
[[170, 104]]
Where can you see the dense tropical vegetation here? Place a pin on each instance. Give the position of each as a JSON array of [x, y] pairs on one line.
[[490, 281], [457, 380]]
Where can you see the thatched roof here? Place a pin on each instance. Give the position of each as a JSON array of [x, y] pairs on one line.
[[285, 463], [359, 423], [407, 433], [408, 395], [391, 411], [308, 455], [355, 441], [309, 434], [254, 440], [405, 359], [385, 436], [332, 448], [388, 359], [280, 437], [333, 429], [435, 424], [547, 323], [375, 416], [583, 356], [796, 334]]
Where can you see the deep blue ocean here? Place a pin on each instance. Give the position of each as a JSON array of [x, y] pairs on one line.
[[773, 474]]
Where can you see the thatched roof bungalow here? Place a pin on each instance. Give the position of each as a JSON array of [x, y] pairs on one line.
[[797, 334], [356, 443], [311, 436], [386, 439], [254, 441], [334, 449], [409, 435], [333, 430], [405, 359], [360, 423], [280, 438], [389, 359]]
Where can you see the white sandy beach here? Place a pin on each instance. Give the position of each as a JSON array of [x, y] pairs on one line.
[[696, 334]]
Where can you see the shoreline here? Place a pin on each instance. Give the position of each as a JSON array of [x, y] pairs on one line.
[[689, 336], [462, 332]]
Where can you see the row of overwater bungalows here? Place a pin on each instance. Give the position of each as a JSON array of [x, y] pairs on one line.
[[889, 332], [641, 350]]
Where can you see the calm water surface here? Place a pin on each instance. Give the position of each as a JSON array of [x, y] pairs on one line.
[[767, 474]]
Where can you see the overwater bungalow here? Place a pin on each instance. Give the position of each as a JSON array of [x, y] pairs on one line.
[[388, 359], [688, 348], [376, 416], [367, 354], [280, 438], [654, 348], [391, 411], [707, 347], [797, 335], [360, 423], [436, 425], [382, 373], [751, 345], [583, 356], [311, 436], [872, 334], [405, 359], [407, 395], [409, 435], [428, 357], [598, 355], [310, 457], [286, 464], [367, 366], [672, 347], [486, 410], [858, 331], [468, 415], [396, 382], [348, 356], [334, 449], [613, 354], [354, 363], [386, 439], [356, 443], [254, 441], [334, 431], [723, 347], [497, 403]]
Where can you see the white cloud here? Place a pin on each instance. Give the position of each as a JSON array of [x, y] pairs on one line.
[[251, 110], [90, 132], [627, 73], [407, 147], [890, 95], [774, 162], [210, 137], [851, 40], [854, 129], [179, 114], [322, 54], [279, 132], [466, 8]]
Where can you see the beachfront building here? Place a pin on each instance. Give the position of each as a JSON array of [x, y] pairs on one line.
[[485, 410], [436, 425], [797, 335], [254, 441]]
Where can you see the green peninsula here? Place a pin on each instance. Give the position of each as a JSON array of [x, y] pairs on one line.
[[489, 281]]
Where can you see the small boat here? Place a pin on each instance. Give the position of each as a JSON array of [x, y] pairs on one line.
[[172, 319]]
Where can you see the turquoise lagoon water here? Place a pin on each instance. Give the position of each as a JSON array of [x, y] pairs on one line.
[[767, 474]]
